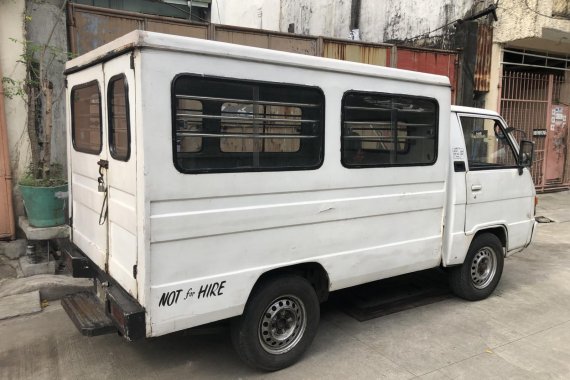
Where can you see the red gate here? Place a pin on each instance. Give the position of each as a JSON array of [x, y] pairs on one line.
[[529, 103]]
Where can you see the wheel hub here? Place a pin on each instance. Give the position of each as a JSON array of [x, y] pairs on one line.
[[282, 325], [483, 267]]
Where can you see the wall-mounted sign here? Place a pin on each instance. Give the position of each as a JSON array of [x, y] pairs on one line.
[[539, 132]]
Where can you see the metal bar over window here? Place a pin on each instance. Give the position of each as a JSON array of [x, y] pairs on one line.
[[247, 101], [216, 117], [245, 135]]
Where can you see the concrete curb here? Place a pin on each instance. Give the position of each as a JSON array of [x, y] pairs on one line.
[[20, 304], [51, 287]]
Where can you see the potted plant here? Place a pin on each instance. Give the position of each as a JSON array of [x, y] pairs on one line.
[[44, 186]]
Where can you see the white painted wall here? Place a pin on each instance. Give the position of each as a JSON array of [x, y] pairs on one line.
[[259, 14], [12, 27], [380, 20], [517, 21]]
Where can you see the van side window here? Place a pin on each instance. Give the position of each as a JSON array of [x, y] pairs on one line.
[[119, 123], [388, 130], [487, 144], [86, 126], [227, 125]]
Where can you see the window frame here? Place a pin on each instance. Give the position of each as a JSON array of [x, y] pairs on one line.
[[80, 86], [173, 108], [503, 126], [388, 165], [111, 138]]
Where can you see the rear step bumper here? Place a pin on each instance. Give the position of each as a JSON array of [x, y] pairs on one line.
[[114, 310], [88, 314]]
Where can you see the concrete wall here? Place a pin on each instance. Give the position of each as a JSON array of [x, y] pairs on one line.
[[12, 27], [380, 20], [517, 21]]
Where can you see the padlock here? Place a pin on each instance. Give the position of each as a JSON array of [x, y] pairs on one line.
[[101, 185]]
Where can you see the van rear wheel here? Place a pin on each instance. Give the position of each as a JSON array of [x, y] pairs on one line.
[[278, 324], [481, 271]]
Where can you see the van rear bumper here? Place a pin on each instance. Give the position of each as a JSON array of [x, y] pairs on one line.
[[125, 312]]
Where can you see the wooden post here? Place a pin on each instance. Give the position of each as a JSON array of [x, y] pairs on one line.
[[7, 227]]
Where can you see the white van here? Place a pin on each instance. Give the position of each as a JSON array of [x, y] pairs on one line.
[[212, 181]]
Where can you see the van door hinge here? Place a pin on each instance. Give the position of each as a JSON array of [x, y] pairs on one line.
[[135, 271], [132, 60]]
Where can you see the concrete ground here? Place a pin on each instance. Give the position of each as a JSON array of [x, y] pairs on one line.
[[522, 331]]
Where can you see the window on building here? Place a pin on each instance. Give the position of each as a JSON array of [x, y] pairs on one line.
[[487, 144], [388, 130], [223, 125], [119, 124], [86, 118]]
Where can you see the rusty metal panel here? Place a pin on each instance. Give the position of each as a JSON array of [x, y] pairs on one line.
[[305, 45], [90, 29], [440, 62], [482, 73], [557, 143], [241, 37], [177, 28], [265, 39], [357, 52]]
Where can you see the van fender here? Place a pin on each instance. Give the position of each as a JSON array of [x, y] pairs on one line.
[[499, 229], [462, 241]]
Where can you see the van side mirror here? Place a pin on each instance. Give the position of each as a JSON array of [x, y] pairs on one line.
[[526, 153]]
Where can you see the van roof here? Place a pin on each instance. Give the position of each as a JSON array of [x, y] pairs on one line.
[[479, 111], [169, 42]]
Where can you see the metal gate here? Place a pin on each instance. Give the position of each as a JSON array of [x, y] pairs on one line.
[[531, 104]]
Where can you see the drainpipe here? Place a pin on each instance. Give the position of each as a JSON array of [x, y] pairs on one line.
[[5, 171]]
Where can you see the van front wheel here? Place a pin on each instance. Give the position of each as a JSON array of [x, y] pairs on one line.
[[481, 271], [278, 324]]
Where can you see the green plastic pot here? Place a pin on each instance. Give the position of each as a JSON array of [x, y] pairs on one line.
[[45, 206]]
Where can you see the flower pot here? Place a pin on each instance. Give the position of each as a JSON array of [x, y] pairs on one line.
[[45, 206]]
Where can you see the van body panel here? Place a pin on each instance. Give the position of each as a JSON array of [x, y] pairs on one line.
[[333, 215]]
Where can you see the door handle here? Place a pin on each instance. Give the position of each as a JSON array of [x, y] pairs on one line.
[[476, 187]]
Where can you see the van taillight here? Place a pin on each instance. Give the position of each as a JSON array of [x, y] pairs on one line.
[[535, 203]]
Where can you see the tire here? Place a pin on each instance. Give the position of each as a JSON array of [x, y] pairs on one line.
[[481, 271], [266, 336]]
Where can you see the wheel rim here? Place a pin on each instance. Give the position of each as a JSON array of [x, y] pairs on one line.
[[483, 267], [282, 325]]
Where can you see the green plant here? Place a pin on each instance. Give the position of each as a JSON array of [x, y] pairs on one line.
[[56, 177], [38, 92]]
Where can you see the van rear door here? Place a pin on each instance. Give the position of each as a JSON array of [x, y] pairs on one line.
[[121, 174], [103, 168], [87, 153]]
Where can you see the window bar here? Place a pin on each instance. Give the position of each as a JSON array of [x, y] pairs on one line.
[[247, 101], [394, 132], [256, 148], [244, 135], [389, 139], [191, 116]]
